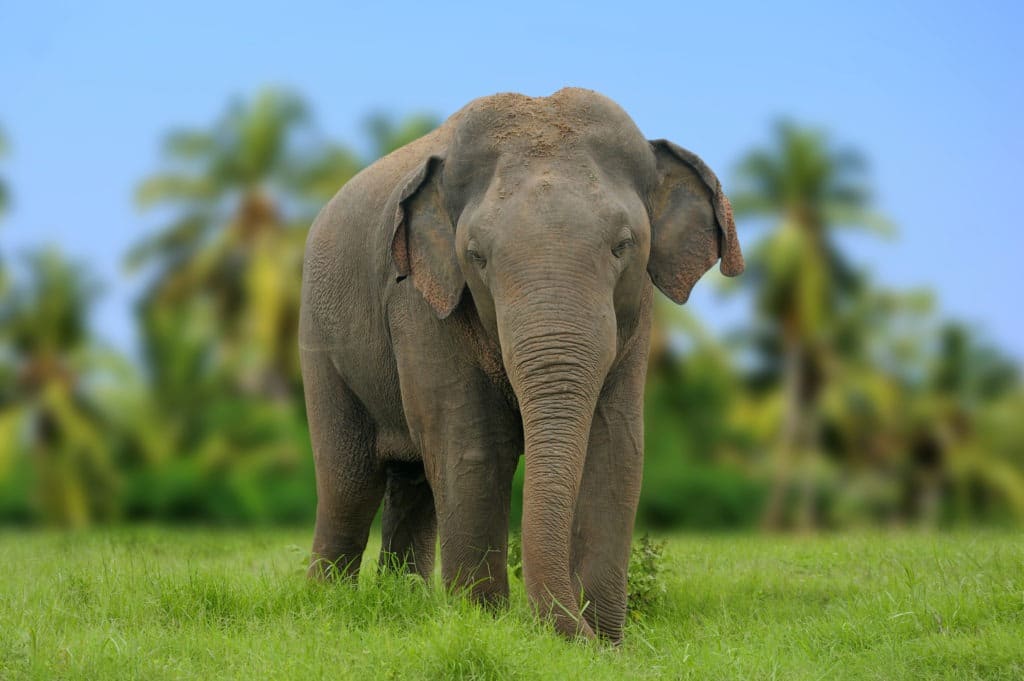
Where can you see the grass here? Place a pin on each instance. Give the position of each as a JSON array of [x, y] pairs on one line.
[[201, 604]]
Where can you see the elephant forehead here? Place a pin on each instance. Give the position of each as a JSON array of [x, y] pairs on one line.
[[540, 127], [502, 142], [523, 125]]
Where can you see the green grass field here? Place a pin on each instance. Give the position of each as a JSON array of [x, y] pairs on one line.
[[155, 603]]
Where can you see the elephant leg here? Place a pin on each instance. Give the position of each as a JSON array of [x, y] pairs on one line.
[[409, 523], [473, 521], [349, 481], [470, 438], [607, 501], [474, 442]]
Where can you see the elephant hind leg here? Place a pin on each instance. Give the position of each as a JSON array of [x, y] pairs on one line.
[[409, 522], [349, 481]]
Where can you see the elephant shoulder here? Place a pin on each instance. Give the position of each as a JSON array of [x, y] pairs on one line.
[[347, 256], [366, 200]]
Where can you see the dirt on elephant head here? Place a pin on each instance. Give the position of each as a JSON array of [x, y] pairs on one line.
[[536, 127]]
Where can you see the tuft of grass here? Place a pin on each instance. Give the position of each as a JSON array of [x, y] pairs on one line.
[[646, 582], [180, 604], [515, 555], [646, 564]]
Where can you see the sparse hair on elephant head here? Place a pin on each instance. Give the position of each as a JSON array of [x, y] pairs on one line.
[[691, 220]]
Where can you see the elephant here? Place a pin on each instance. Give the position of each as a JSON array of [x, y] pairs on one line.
[[485, 293]]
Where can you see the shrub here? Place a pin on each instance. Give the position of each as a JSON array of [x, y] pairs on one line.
[[646, 584]]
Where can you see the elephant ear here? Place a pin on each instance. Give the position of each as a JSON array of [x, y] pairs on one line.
[[423, 245], [691, 223]]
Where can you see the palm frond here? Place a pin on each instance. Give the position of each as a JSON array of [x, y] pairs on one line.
[[843, 216], [388, 134], [176, 188], [318, 178], [181, 238], [189, 144]]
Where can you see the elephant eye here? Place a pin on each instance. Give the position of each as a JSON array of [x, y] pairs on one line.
[[621, 247], [479, 260]]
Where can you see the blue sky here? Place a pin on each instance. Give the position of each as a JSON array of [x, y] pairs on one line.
[[931, 93]]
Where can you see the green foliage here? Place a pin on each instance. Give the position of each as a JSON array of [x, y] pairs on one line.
[[54, 433], [515, 555], [681, 495], [646, 581], [388, 134], [646, 567], [172, 603], [257, 469]]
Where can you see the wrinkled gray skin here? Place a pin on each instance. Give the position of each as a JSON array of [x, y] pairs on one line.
[[485, 291]]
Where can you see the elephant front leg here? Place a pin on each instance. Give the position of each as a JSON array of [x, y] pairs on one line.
[[475, 477], [471, 441], [606, 506]]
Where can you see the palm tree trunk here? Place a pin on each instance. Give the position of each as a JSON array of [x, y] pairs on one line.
[[808, 447], [787, 447]]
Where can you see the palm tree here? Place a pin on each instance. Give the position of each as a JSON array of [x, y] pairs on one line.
[[800, 279], [388, 134], [48, 418], [968, 383], [243, 193], [867, 408], [220, 314]]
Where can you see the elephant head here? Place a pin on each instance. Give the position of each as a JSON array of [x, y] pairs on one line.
[[553, 212]]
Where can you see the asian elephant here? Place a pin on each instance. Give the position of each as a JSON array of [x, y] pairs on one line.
[[485, 292]]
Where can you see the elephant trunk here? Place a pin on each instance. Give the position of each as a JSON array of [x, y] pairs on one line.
[[557, 360]]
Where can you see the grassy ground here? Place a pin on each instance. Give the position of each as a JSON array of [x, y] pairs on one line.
[[156, 603]]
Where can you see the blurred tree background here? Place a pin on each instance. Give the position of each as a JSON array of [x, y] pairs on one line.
[[836, 403]]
